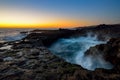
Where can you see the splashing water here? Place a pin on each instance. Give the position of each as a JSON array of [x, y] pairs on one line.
[[14, 37], [73, 49]]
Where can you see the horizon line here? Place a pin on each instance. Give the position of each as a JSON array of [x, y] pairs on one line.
[[52, 27]]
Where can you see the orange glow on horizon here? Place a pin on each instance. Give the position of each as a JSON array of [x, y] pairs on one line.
[[32, 19], [57, 24], [37, 25]]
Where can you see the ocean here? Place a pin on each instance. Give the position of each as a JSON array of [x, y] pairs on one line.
[[11, 34]]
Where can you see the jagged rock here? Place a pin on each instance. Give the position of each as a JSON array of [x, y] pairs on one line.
[[1, 60], [110, 51], [32, 61], [8, 59]]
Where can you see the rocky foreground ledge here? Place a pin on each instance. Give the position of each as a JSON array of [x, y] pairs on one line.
[[29, 59]]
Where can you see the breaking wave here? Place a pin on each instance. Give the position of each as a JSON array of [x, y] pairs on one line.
[[72, 50]]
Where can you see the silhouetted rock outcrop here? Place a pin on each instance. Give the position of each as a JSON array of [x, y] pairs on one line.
[[102, 31], [49, 36], [28, 59]]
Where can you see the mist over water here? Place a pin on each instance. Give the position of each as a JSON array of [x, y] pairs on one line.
[[14, 37], [12, 34], [72, 50]]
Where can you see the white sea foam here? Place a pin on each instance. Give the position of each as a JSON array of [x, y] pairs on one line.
[[73, 49], [8, 47]]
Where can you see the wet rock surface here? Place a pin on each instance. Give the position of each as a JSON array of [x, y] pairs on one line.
[[109, 51], [33, 64], [29, 59]]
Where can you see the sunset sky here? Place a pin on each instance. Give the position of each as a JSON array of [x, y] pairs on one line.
[[58, 13]]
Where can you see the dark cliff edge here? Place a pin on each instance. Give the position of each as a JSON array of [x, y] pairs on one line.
[[29, 59]]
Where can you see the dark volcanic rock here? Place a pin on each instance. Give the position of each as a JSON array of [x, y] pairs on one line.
[[113, 51], [49, 36], [28, 59], [102, 31], [110, 52], [35, 64]]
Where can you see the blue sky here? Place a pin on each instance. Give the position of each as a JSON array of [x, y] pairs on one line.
[[91, 11]]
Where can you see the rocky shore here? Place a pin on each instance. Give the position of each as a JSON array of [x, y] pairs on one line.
[[29, 58]]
